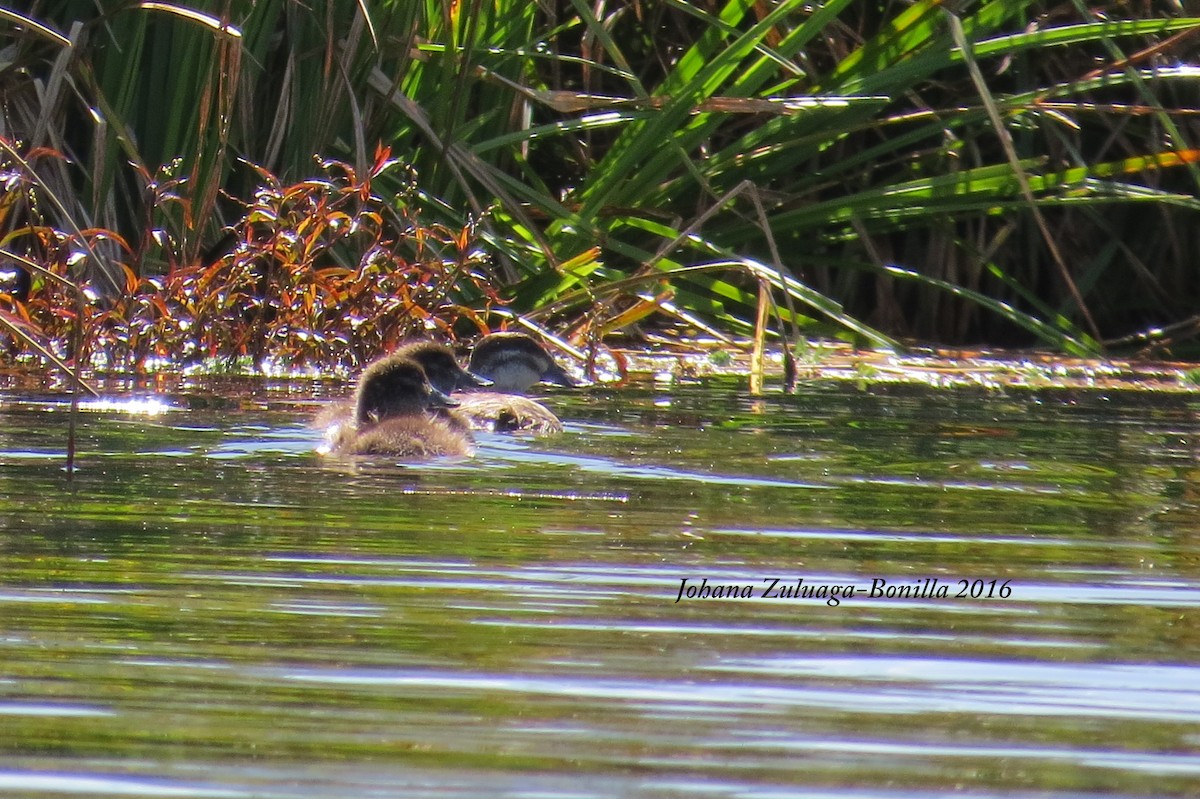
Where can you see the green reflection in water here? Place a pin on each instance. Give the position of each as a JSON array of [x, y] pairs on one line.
[[210, 605]]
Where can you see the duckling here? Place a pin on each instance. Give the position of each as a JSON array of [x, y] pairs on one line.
[[513, 362], [391, 415], [441, 370], [445, 375]]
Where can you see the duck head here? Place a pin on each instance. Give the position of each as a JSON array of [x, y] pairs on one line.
[[514, 362], [441, 370], [393, 387]]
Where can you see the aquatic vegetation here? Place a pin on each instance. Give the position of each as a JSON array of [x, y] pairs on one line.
[[322, 271], [839, 170]]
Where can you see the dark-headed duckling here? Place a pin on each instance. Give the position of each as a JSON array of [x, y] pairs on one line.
[[392, 415], [444, 374], [513, 362], [441, 370]]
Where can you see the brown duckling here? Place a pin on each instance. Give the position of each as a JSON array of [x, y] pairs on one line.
[[445, 375], [441, 370], [513, 362], [391, 415]]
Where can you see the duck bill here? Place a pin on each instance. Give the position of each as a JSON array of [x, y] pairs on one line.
[[437, 399], [469, 379]]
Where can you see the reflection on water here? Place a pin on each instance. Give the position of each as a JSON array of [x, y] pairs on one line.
[[209, 610]]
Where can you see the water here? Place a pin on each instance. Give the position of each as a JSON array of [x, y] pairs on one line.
[[209, 610]]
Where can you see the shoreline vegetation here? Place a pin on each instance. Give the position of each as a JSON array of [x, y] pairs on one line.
[[760, 176], [668, 363]]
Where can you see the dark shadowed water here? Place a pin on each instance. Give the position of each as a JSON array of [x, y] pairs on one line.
[[999, 595]]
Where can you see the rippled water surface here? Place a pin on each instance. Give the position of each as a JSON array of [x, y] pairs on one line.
[[209, 610]]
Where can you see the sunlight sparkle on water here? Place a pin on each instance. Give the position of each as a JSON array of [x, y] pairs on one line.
[[141, 406]]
